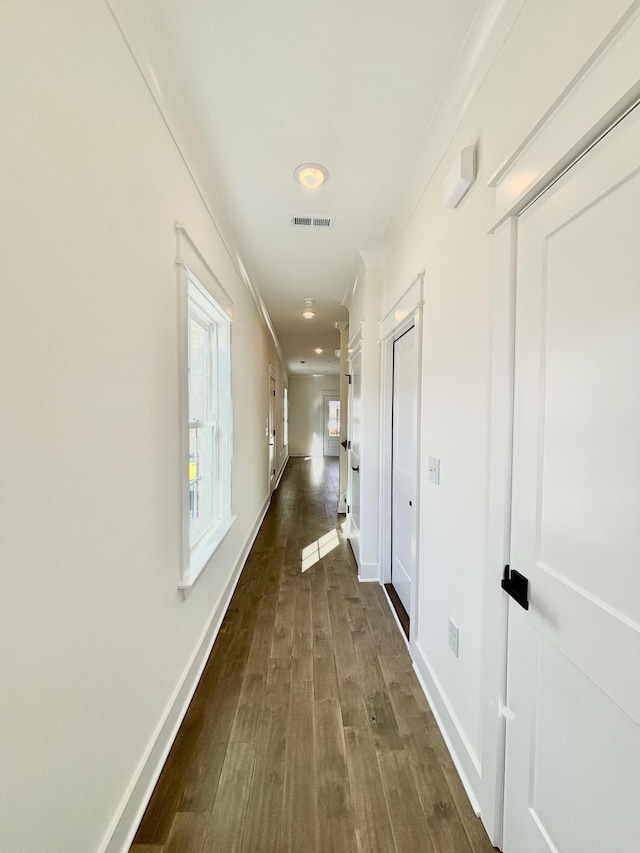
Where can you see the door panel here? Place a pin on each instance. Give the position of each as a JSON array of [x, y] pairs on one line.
[[573, 683], [403, 534]]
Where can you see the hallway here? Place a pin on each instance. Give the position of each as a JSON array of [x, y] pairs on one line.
[[308, 730]]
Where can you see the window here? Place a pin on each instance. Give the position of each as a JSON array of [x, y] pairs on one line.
[[208, 463]]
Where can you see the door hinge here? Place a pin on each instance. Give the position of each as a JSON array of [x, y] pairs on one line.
[[348, 445], [274, 393], [348, 375], [517, 586], [348, 508], [274, 472], [274, 432]]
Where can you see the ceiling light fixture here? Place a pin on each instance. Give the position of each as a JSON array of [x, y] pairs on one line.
[[311, 175], [308, 314], [318, 350]]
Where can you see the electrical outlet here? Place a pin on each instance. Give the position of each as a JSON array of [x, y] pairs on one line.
[[454, 637]]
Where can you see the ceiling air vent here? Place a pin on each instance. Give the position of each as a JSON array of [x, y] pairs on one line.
[[313, 221]]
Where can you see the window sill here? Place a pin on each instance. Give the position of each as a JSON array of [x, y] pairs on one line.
[[203, 551]]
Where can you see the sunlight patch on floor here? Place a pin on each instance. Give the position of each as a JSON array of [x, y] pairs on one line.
[[318, 549]]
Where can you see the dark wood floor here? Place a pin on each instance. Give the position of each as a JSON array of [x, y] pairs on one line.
[[308, 731]]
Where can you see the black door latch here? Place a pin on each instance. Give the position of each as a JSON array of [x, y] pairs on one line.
[[517, 586]]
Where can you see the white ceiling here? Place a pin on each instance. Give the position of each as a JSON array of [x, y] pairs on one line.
[[253, 88]]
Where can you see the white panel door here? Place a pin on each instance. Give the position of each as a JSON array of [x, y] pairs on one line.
[[573, 744], [331, 440], [355, 428], [403, 465]]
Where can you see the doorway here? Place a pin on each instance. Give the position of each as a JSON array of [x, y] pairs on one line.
[[404, 410], [331, 431]]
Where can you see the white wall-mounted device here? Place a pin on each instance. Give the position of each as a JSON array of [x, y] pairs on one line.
[[460, 177]]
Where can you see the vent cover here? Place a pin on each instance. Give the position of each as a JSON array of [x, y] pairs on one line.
[[313, 221]]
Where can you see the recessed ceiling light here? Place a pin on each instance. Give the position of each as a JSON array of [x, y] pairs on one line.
[[318, 350], [311, 175], [308, 314]]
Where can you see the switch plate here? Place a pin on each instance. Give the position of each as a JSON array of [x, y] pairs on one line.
[[454, 637], [434, 470]]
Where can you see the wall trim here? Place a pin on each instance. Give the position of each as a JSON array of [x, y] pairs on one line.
[[369, 573], [464, 758], [355, 338], [495, 609], [405, 305], [603, 90], [121, 832]]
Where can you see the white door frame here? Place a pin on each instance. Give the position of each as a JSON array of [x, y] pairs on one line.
[[272, 430], [354, 349], [404, 314], [600, 95]]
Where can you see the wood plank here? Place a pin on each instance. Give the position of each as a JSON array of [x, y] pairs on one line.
[[382, 719], [299, 802], [408, 821], [282, 634], [201, 784], [227, 818], [246, 722], [445, 825], [325, 680], [146, 848], [373, 827], [187, 833], [353, 706], [260, 651], [335, 813], [264, 812]]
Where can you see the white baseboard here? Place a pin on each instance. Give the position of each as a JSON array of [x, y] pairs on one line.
[[464, 758], [280, 473], [369, 573], [120, 834]]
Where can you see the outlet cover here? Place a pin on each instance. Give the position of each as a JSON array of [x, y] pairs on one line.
[[454, 637], [434, 470]]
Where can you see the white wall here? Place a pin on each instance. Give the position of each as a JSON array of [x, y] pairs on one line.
[[96, 641], [306, 412], [547, 45]]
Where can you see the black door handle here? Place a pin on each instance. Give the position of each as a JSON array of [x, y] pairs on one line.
[[517, 586], [355, 468]]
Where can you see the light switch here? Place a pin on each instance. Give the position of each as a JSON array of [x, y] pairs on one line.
[[434, 470]]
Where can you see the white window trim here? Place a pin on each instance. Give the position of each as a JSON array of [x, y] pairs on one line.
[[210, 296]]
